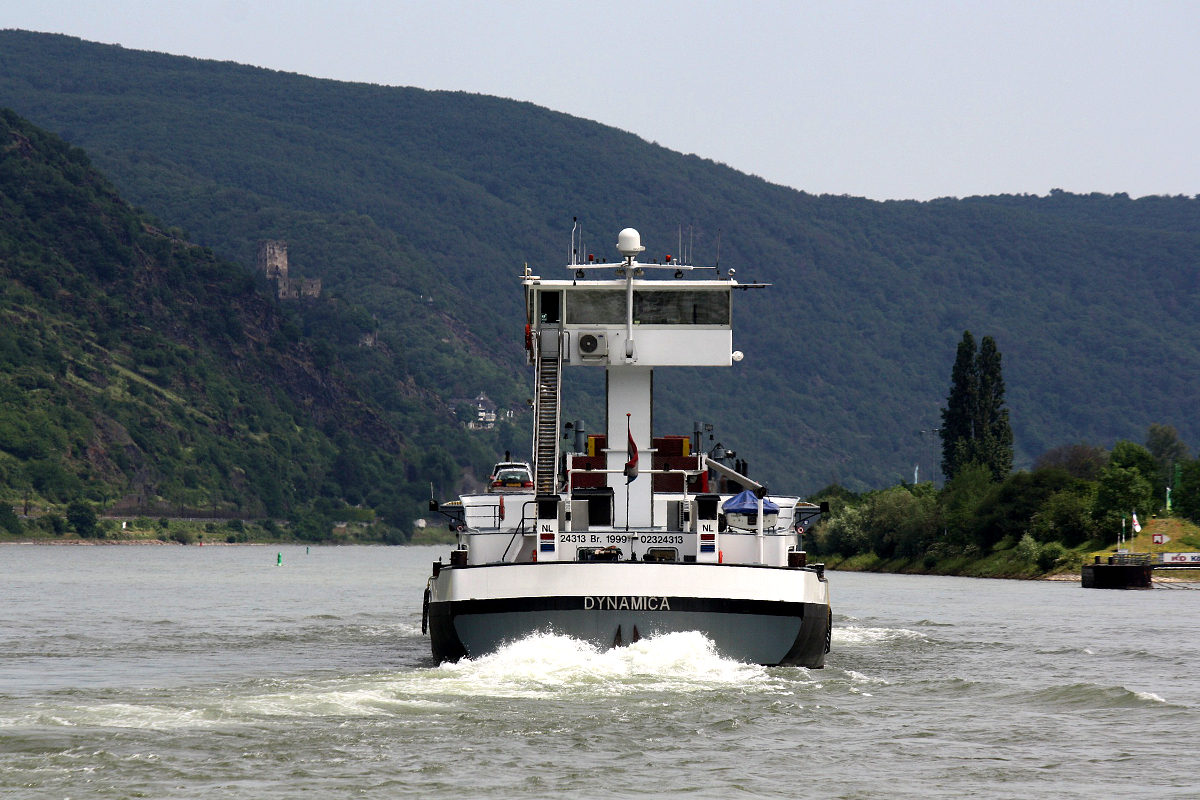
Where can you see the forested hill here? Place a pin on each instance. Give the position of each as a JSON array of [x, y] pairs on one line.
[[1092, 300], [138, 367], [1153, 213]]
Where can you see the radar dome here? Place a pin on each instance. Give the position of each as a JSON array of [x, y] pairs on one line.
[[629, 243]]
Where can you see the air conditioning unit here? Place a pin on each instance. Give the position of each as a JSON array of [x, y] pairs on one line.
[[593, 345]]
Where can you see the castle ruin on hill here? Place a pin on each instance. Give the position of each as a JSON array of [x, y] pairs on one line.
[[273, 261]]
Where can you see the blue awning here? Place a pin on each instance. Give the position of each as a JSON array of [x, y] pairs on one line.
[[747, 503]]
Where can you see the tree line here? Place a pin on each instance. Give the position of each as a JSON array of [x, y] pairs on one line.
[[1075, 494]]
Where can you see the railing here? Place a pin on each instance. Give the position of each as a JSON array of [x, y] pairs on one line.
[[1128, 559], [520, 530], [476, 510]]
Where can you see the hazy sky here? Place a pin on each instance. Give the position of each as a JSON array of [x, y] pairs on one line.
[[884, 100]]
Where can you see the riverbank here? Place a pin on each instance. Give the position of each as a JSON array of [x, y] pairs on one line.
[[1003, 564], [1033, 561], [986, 568], [178, 532], [106, 530], [75, 541]]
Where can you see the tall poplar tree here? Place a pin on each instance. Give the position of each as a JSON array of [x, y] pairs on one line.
[[975, 427], [993, 434], [958, 417]]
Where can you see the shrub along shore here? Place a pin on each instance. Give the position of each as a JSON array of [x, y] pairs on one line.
[[1029, 559]]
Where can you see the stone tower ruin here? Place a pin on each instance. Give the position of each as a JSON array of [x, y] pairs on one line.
[[272, 259]]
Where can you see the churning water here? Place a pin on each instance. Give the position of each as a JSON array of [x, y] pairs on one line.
[[210, 672]]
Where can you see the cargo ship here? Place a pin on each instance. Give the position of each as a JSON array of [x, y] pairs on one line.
[[625, 535]]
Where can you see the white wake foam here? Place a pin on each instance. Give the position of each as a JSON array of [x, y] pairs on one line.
[[859, 678], [541, 665], [116, 715], [538, 666], [548, 663], [854, 635]]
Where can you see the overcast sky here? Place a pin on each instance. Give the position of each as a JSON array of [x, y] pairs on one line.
[[883, 100]]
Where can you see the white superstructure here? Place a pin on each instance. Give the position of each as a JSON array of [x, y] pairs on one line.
[[650, 524]]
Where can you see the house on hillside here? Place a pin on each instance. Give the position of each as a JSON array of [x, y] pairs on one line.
[[484, 411]]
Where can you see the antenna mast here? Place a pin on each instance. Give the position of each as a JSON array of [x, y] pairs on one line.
[[573, 256]]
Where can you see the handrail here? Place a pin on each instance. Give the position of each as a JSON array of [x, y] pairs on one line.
[[535, 354], [495, 513], [583, 471], [519, 530], [564, 338], [708, 463]]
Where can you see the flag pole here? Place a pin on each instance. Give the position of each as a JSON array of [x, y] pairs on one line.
[[629, 432]]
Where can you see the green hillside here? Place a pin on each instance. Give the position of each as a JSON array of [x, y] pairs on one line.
[[137, 368], [397, 195]]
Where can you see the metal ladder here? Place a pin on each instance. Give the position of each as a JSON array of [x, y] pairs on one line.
[[546, 419]]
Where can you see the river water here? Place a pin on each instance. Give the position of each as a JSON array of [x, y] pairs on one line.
[[186, 672]]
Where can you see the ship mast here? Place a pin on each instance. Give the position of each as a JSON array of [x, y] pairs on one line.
[[629, 324]]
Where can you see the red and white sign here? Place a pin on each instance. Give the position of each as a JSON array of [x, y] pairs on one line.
[[1181, 558], [1159, 538]]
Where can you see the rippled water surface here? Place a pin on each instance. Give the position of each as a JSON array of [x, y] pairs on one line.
[[210, 672]]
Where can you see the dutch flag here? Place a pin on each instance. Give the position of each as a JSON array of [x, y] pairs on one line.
[[631, 466]]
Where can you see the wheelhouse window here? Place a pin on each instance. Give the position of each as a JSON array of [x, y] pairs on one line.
[[650, 307], [596, 307], [681, 307]]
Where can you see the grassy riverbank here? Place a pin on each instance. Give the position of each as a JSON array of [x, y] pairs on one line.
[[433, 534], [1003, 564], [1020, 560]]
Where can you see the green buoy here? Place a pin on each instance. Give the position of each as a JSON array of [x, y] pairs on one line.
[[279, 560]]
